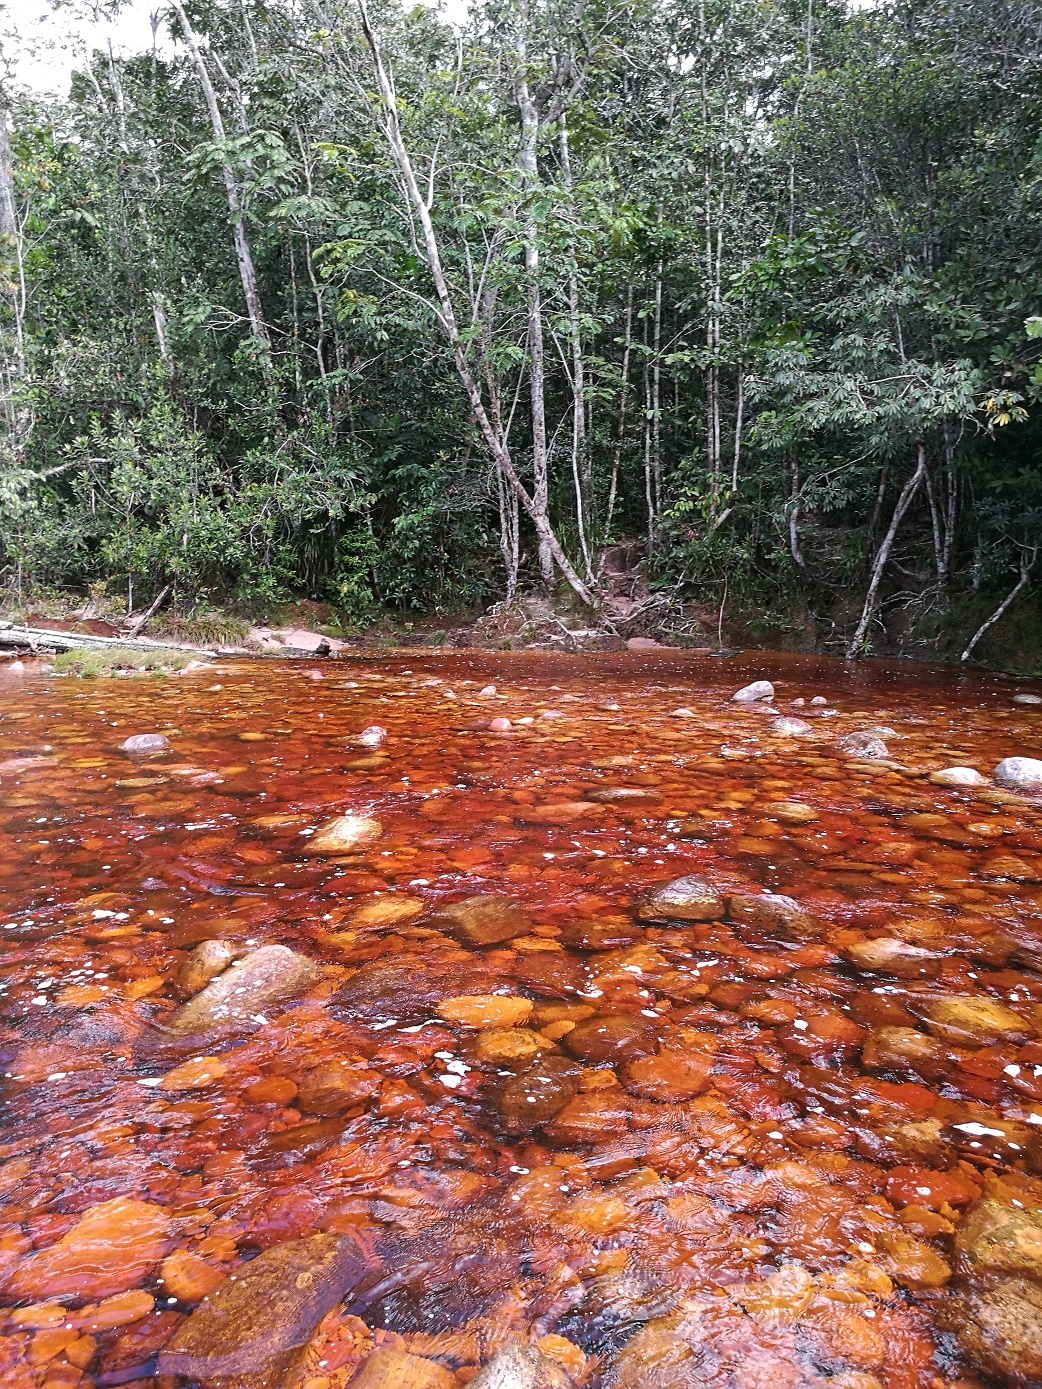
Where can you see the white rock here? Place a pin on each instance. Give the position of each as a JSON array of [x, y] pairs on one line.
[[789, 728], [1027, 699], [1019, 773], [145, 742], [522, 1367], [372, 736], [958, 776], [749, 694], [345, 834], [819, 699], [682, 713]]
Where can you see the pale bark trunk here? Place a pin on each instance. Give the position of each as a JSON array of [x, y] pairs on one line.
[[620, 431], [447, 317], [1026, 566], [904, 501], [794, 512], [527, 160], [580, 460], [656, 387], [19, 419], [243, 255]]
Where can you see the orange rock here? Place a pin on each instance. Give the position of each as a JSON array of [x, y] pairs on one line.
[[922, 1186], [123, 1309], [565, 1352], [201, 1070], [845, 1333], [395, 1369], [140, 988], [187, 1277], [111, 1248], [39, 1316], [270, 1090], [486, 1010], [81, 1352], [45, 1345], [386, 911], [670, 1077], [593, 1118]]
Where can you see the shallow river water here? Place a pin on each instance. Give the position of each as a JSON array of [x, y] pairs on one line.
[[462, 1094]]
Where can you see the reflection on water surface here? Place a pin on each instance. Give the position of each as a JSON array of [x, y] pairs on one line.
[[393, 1062]]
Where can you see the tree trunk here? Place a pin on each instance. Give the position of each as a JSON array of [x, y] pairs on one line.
[[527, 160], [1026, 566], [447, 318], [620, 430], [243, 255], [904, 501], [580, 457]]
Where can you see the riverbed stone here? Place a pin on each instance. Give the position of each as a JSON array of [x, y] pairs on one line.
[[345, 834], [335, 1086], [1027, 699], [538, 1093], [690, 898], [371, 737], [973, 1020], [904, 1049], [868, 746], [111, 1248], [145, 742], [484, 920], [789, 728], [608, 1038], [268, 975], [388, 1368], [670, 1077], [521, 1367], [485, 1010], [893, 956], [209, 959], [1000, 1238], [958, 776], [249, 1331], [999, 1327], [1019, 773], [773, 911], [509, 1046], [754, 692]]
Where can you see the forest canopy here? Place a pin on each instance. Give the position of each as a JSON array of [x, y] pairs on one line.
[[359, 304]]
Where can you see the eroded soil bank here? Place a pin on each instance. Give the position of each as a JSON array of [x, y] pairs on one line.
[[356, 1030]]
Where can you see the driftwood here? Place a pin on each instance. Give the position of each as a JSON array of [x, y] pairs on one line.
[[139, 623], [41, 637]]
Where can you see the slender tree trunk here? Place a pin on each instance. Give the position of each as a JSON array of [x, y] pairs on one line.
[[247, 272], [620, 427], [447, 317], [904, 501], [527, 160], [15, 372], [581, 478], [794, 510], [1026, 566], [656, 385]]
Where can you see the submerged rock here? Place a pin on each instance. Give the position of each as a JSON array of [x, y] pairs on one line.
[[772, 911], [265, 976], [397, 1369], [999, 1327], [868, 746], [112, 1247], [973, 1020], [999, 1238], [789, 727], [958, 776], [484, 920], [670, 1077], [894, 956], [1019, 773], [610, 1037], [683, 899], [247, 1334], [409, 990], [344, 835], [209, 959], [538, 1093], [522, 1367], [485, 1010], [331, 1088], [371, 737], [751, 694], [509, 1046], [145, 742], [904, 1049]]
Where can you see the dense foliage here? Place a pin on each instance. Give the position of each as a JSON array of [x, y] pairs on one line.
[[371, 308]]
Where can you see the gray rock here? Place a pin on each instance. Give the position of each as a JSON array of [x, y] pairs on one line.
[[247, 1334], [683, 899], [522, 1367], [1027, 699], [145, 742], [265, 976], [772, 911], [1019, 773], [894, 956], [819, 699], [750, 694], [868, 746], [789, 728]]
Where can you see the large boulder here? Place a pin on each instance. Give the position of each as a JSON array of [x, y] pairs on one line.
[[1019, 773], [249, 1331], [752, 694], [266, 976]]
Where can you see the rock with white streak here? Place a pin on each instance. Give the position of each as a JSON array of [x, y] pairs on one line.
[[752, 694], [345, 834]]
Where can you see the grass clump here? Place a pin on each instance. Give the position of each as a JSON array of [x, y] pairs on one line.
[[215, 628], [88, 662]]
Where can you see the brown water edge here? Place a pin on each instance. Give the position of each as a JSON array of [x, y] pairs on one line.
[[789, 1145]]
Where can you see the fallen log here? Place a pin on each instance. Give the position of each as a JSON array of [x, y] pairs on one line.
[[11, 634]]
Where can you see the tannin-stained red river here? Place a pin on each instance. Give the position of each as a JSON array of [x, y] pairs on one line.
[[520, 1021]]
